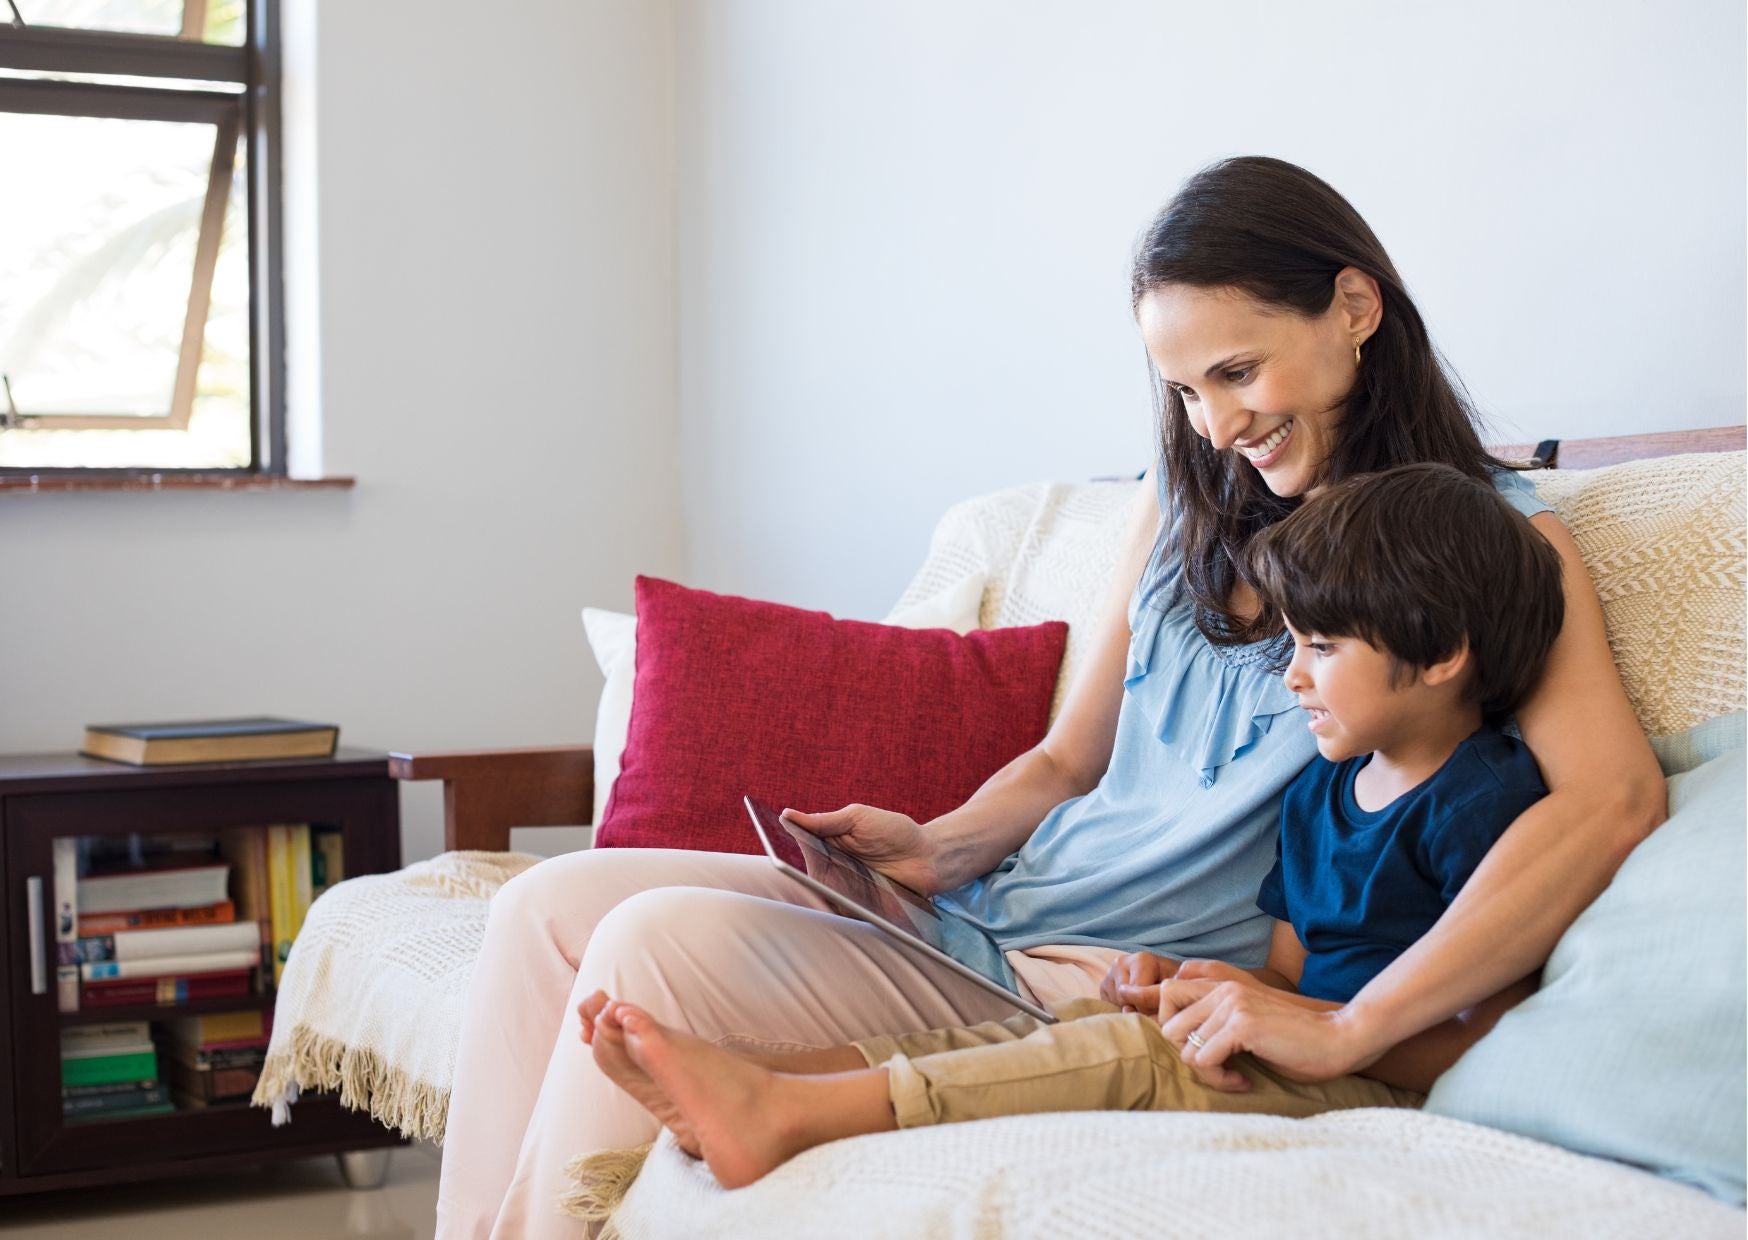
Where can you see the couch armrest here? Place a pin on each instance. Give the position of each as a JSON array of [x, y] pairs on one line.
[[488, 791]]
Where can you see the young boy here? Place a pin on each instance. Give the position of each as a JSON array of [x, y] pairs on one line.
[[1421, 607]]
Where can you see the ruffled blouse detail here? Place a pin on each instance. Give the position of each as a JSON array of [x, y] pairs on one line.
[[1203, 706]]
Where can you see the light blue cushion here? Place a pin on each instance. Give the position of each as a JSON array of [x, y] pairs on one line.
[[1698, 745], [1634, 1048]]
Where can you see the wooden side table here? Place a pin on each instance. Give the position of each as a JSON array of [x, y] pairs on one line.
[[44, 796]]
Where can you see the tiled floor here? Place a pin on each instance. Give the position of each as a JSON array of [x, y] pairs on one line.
[[300, 1200]]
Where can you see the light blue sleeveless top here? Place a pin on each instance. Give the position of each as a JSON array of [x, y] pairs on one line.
[[1168, 852]]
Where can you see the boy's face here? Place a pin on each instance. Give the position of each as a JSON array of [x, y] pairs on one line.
[[1344, 684]]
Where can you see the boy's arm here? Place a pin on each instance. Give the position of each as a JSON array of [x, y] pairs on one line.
[[1282, 969], [1418, 1062]]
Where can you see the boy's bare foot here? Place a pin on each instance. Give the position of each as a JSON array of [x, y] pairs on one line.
[[748, 1121], [589, 1011], [608, 1039]]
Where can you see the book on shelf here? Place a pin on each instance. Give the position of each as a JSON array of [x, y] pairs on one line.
[[95, 925], [173, 941], [210, 740], [246, 849], [127, 1101], [289, 886], [232, 1077], [110, 1068], [98, 1039], [302, 894], [189, 886], [171, 966], [114, 1087], [327, 859], [202, 1060], [215, 1031], [126, 991], [65, 850], [280, 892], [134, 1042]]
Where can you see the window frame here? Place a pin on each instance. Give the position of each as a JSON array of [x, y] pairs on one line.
[[255, 66]]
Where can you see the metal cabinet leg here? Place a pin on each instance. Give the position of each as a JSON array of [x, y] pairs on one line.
[[364, 1168]]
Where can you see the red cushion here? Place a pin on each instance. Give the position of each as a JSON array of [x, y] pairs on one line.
[[735, 697]]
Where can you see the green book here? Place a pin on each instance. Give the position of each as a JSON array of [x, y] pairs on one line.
[[104, 1069]]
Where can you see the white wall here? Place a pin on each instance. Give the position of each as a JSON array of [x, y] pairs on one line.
[[490, 347], [905, 225]]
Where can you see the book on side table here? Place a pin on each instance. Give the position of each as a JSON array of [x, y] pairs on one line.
[[209, 740]]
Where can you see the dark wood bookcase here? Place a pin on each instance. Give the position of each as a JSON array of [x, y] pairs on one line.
[[43, 796]]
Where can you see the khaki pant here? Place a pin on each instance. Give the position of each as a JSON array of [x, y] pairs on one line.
[[1096, 1059]]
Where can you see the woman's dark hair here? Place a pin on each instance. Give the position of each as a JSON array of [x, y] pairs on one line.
[[1279, 234], [1418, 561]]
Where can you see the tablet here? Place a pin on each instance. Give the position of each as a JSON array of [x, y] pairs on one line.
[[849, 885]]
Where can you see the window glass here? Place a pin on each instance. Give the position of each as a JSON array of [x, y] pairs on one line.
[[97, 264], [217, 21]]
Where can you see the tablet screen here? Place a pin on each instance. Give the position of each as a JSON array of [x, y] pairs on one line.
[[853, 879]]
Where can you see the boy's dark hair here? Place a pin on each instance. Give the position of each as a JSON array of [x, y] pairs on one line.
[[1415, 561]]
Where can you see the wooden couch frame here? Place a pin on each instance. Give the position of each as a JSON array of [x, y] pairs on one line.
[[488, 791]]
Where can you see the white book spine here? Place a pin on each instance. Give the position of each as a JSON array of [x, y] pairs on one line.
[[186, 940], [66, 856], [191, 887], [170, 966]]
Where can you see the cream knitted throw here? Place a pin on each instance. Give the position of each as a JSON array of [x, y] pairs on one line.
[[370, 1002], [1346, 1176]]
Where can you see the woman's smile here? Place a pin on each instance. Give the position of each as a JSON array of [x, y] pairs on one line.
[[1268, 450]]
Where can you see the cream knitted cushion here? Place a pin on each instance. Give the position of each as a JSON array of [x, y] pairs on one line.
[[1664, 542]]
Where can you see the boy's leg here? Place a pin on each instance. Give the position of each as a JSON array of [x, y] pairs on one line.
[[877, 1050], [1110, 1061]]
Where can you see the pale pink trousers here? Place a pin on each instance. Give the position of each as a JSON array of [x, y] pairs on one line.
[[723, 946]]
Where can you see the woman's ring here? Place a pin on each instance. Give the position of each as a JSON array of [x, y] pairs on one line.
[[1195, 1039]]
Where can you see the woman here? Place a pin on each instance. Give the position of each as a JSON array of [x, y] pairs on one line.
[[1285, 354]]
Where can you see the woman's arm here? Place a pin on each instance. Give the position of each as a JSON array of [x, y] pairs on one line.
[[1274, 1020], [1069, 762], [1605, 794]]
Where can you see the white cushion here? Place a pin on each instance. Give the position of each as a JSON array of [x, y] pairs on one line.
[[613, 638]]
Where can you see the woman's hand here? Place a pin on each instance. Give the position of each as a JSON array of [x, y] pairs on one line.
[[1133, 981], [1302, 1039], [890, 842]]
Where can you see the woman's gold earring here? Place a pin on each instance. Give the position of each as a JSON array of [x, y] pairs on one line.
[[1356, 350]]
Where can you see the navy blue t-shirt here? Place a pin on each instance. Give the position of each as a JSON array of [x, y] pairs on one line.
[[1360, 887]]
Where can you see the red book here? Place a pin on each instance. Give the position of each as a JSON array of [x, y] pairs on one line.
[[94, 925], [125, 991]]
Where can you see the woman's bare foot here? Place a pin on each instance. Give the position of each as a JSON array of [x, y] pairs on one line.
[[605, 1033], [747, 1120]]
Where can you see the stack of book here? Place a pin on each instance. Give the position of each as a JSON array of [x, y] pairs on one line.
[[162, 936], [111, 1072], [218, 1057], [169, 919]]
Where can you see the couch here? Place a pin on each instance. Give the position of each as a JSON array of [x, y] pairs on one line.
[[371, 999]]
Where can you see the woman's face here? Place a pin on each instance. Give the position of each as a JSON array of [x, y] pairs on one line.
[[1265, 384]]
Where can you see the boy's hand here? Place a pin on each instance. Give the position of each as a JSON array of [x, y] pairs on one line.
[[1133, 981], [1213, 971]]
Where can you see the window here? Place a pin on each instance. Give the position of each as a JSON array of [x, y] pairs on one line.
[[140, 307]]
